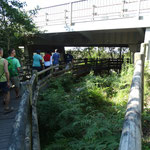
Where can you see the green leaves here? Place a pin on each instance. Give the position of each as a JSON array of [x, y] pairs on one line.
[[15, 25], [87, 115]]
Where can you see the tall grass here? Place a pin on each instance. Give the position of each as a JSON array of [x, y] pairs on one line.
[[146, 112], [86, 113]]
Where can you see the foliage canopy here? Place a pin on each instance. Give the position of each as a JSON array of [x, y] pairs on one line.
[[15, 24]]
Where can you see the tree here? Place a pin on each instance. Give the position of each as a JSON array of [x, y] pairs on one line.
[[15, 24]]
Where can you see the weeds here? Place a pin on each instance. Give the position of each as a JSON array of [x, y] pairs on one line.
[[87, 115], [146, 112]]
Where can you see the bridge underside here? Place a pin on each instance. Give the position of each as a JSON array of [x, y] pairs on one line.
[[102, 38]]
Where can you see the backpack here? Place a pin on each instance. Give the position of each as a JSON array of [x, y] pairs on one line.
[[2, 73], [11, 67]]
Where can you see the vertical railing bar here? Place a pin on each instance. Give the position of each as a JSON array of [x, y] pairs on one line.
[[138, 9], [71, 6], [46, 19], [65, 16], [93, 12], [122, 11]]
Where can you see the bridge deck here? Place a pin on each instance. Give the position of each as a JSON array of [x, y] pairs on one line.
[[7, 120]]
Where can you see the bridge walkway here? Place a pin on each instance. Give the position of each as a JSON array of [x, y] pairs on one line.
[[7, 120]]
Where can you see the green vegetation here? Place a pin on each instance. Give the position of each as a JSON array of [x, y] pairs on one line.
[[84, 114], [146, 113], [88, 113], [100, 52], [15, 25]]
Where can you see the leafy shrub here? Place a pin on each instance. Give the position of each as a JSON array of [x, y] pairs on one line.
[[85, 115]]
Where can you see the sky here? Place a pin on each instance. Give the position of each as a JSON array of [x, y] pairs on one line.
[[31, 4]]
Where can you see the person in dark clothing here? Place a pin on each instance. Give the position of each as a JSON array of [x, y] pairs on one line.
[[68, 60], [55, 59]]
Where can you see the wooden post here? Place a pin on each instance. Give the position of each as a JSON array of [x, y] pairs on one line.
[[120, 52], [96, 62], [28, 135], [35, 129], [17, 140], [30, 108], [130, 57], [36, 73], [119, 64], [139, 56], [85, 61], [29, 88], [108, 65]]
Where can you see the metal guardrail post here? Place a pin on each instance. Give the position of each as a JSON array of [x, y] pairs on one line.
[[138, 9], [93, 12], [111, 10], [65, 16], [122, 11], [46, 18], [71, 13]]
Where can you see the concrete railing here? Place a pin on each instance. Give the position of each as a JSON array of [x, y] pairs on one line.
[[132, 129], [80, 11]]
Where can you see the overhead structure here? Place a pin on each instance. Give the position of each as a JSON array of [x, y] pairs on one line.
[[93, 23]]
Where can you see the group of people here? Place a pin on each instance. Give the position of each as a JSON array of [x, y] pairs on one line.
[[49, 60], [9, 71], [10, 67]]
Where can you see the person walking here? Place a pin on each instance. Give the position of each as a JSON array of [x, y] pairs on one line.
[[68, 60], [37, 61], [47, 60], [5, 83], [14, 68], [55, 59]]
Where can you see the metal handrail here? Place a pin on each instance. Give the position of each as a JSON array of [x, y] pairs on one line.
[[122, 10]]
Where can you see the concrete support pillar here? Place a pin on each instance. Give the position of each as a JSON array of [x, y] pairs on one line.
[[134, 48], [147, 40]]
